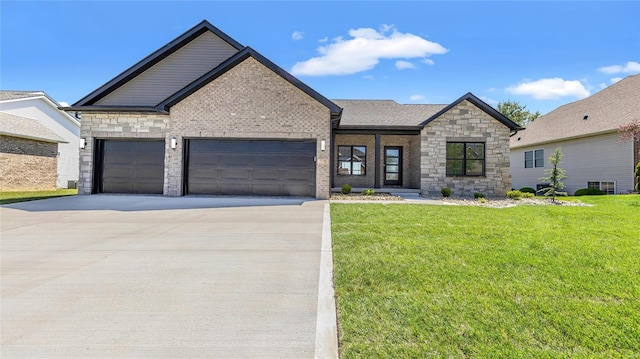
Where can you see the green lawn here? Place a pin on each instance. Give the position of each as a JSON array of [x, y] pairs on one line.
[[13, 197], [454, 281]]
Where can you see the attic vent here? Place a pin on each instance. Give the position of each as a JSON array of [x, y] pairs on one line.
[[585, 117]]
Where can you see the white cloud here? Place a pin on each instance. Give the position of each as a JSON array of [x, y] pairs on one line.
[[386, 28], [364, 50], [368, 77], [324, 39], [549, 89], [488, 100], [403, 65], [629, 67], [417, 98], [428, 61], [603, 85], [297, 35], [615, 79]]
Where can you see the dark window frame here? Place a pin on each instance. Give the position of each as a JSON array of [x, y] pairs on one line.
[[464, 159], [339, 168]]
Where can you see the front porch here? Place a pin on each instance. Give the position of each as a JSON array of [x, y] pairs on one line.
[[385, 161]]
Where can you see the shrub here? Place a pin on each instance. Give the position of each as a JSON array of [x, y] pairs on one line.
[[478, 195], [368, 192], [482, 200], [446, 192], [346, 188], [588, 192], [515, 194], [527, 190], [638, 177]]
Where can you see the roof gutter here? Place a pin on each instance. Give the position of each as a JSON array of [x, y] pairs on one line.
[[139, 109]]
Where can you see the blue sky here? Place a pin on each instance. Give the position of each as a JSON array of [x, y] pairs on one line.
[[542, 54]]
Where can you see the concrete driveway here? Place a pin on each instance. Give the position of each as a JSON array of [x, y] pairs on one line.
[[156, 277]]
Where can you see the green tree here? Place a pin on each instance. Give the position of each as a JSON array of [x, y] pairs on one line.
[[517, 113], [554, 176], [631, 132]]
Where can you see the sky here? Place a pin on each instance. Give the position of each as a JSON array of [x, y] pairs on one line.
[[542, 54]]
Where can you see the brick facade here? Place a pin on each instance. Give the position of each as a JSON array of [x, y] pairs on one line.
[[247, 102], [250, 102], [465, 122], [410, 160], [27, 164]]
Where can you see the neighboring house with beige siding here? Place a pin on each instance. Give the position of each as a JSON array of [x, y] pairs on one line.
[[206, 115], [28, 154], [39, 107], [587, 132]]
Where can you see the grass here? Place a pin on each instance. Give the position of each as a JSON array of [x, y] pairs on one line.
[[22, 196], [455, 281]]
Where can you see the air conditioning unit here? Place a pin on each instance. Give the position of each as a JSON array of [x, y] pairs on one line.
[[72, 184]]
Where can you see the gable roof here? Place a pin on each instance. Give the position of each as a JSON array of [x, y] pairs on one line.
[[153, 59], [7, 96], [480, 104], [18, 126], [383, 113], [605, 110], [231, 63]]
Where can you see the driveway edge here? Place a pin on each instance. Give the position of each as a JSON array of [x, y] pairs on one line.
[[326, 323]]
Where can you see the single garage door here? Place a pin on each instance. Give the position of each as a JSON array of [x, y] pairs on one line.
[[129, 166], [242, 167]]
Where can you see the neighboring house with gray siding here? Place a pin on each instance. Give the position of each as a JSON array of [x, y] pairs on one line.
[[587, 132], [28, 154], [206, 115], [38, 106]]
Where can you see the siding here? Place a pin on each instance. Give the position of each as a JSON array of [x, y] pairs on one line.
[[172, 73], [599, 158], [40, 110]]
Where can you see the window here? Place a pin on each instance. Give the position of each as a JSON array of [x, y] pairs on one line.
[[606, 187], [352, 160], [465, 159], [534, 159]]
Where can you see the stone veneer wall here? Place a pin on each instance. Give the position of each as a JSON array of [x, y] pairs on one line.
[[250, 102], [27, 164], [410, 159], [465, 122], [117, 125]]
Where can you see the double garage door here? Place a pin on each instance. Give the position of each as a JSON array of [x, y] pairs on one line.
[[211, 167]]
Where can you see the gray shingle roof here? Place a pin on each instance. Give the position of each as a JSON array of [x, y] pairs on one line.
[[606, 110], [14, 95], [367, 113], [17, 126]]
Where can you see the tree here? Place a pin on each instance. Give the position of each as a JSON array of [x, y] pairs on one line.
[[554, 176], [517, 113], [631, 132]]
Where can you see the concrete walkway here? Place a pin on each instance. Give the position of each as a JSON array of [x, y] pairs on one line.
[[156, 277]]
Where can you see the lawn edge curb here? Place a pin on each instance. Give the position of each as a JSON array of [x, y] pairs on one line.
[[326, 323]]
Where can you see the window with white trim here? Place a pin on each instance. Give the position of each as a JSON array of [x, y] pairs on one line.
[[606, 187], [534, 159]]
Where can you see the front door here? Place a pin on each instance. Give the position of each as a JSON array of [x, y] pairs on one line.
[[392, 165]]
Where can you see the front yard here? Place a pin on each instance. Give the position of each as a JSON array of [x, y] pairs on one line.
[[461, 281]]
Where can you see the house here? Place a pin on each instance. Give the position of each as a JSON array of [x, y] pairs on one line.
[[28, 154], [38, 106], [587, 132], [207, 115]]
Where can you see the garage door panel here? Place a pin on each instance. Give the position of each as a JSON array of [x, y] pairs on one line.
[[245, 167], [132, 166]]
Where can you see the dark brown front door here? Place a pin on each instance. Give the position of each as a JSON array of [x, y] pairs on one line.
[[392, 165]]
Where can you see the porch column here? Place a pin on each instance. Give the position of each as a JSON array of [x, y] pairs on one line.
[[376, 183]]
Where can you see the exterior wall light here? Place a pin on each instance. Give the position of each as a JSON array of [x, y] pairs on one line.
[[323, 145], [83, 143], [174, 143]]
